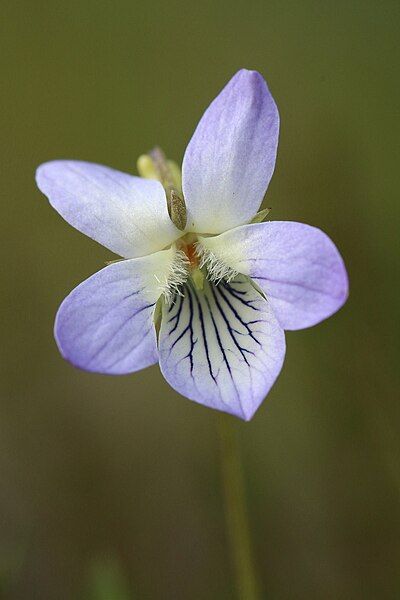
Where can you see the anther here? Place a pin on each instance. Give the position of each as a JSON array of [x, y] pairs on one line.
[[155, 165], [177, 210]]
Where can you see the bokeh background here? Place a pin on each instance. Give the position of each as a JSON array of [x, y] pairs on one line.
[[109, 487]]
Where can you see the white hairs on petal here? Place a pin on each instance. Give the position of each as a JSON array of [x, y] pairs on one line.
[[217, 270], [176, 277]]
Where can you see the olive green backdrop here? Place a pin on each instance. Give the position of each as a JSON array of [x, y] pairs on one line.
[[109, 487]]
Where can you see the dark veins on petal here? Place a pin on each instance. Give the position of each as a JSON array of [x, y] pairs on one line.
[[218, 332]]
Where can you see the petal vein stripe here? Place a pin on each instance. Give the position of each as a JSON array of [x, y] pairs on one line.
[[222, 346]]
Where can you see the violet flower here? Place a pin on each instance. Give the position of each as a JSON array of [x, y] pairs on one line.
[[205, 289]]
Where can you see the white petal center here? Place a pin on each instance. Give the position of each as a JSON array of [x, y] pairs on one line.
[[192, 260]]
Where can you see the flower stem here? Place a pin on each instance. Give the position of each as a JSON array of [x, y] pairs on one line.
[[236, 513]]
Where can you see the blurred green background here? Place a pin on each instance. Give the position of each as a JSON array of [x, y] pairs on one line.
[[109, 487]]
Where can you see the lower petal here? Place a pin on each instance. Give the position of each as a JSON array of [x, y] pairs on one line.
[[222, 346], [106, 323]]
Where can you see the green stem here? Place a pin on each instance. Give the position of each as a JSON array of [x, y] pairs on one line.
[[236, 513]]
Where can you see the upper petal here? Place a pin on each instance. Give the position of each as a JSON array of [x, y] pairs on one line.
[[231, 157], [298, 267], [126, 214], [106, 323], [222, 347]]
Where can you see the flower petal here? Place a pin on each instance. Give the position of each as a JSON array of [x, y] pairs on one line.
[[126, 214], [106, 323], [231, 157], [222, 347], [298, 267]]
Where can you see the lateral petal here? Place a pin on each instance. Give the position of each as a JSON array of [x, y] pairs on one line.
[[297, 266], [106, 323]]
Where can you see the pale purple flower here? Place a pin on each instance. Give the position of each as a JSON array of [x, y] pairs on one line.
[[225, 288]]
